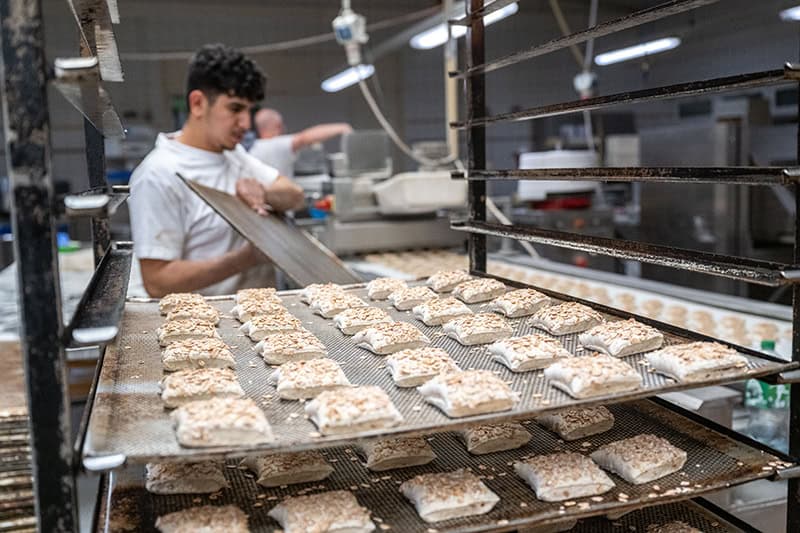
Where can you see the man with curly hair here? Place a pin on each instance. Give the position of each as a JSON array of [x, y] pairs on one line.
[[181, 243]]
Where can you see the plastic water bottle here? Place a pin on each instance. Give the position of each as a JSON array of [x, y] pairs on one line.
[[768, 409]]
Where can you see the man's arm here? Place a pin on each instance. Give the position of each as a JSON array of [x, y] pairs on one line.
[[182, 275], [282, 194], [319, 133]]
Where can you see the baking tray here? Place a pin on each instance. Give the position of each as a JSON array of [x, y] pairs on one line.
[[129, 422], [714, 462], [301, 257]]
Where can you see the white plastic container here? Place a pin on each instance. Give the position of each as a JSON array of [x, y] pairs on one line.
[[412, 193], [538, 190]]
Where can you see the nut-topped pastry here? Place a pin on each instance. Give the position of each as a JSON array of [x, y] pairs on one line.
[[247, 309], [261, 326], [168, 302], [184, 386], [449, 495], [351, 321], [185, 478], [491, 438], [221, 422], [566, 318], [390, 337], [388, 454], [530, 352], [185, 328], [205, 519], [440, 310], [296, 380], [411, 368], [696, 361], [563, 476], [640, 459], [315, 290], [447, 280], [288, 468], [197, 310], [334, 511], [622, 338], [578, 422], [299, 345], [405, 299], [592, 375], [353, 410], [209, 352], [330, 305], [520, 302], [467, 393], [263, 294], [381, 288], [481, 328], [479, 290]]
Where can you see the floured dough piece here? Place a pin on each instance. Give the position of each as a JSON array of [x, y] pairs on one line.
[[299, 345], [330, 512], [440, 310], [184, 386], [351, 321], [185, 478], [390, 337], [493, 438], [578, 422], [206, 519], [521, 302], [640, 459], [481, 328], [245, 311], [311, 292], [221, 422], [531, 352], [331, 305], [479, 290], [447, 280], [411, 368], [185, 328], [569, 317], [622, 338], [449, 495], [563, 476], [259, 327], [672, 527], [305, 379], [592, 375], [288, 468], [168, 302], [405, 299], [388, 454], [197, 353], [351, 410], [696, 361], [264, 294], [381, 288], [198, 310], [467, 393]]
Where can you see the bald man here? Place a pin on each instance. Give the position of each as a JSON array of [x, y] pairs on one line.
[[277, 149]]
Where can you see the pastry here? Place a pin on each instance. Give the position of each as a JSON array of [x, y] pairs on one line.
[[440, 310], [592, 375], [184, 386], [481, 328], [479, 290], [168, 302], [563, 476], [351, 321], [329, 512], [640, 459], [265, 294], [183, 329], [206, 519], [331, 305], [300, 345], [405, 299], [381, 288], [305, 379], [259, 327], [221, 422], [198, 310], [390, 337], [672, 527], [411, 368], [288, 468], [449, 495], [569, 317], [311, 292], [388, 454], [468, 393], [446, 280], [197, 353], [351, 410], [493, 438], [578, 422], [696, 361], [622, 338], [530, 352], [248, 309], [185, 478], [521, 302]]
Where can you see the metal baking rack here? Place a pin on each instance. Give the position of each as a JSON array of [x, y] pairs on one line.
[[477, 175]]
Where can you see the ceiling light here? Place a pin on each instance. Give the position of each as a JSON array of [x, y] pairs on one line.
[[347, 77], [437, 35], [640, 50], [793, 13]]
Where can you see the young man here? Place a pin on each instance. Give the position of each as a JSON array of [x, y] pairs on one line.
[[181, 243], [275, 148]]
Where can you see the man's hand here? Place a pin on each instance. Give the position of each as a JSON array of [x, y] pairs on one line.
[[251, 192]]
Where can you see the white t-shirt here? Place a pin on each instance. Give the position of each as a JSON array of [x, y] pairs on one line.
[[169, 221], [276, 152]]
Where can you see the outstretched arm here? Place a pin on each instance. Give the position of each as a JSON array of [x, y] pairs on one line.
[[319, 133]]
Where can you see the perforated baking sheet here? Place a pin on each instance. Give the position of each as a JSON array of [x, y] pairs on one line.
[[129, 421], [714, 462]]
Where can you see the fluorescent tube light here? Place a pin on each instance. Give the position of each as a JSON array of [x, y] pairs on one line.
[[639, 50], [793, 13], [347, 77], [437, 35]]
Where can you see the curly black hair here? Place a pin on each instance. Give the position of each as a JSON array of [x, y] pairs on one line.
[[219, 69]]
